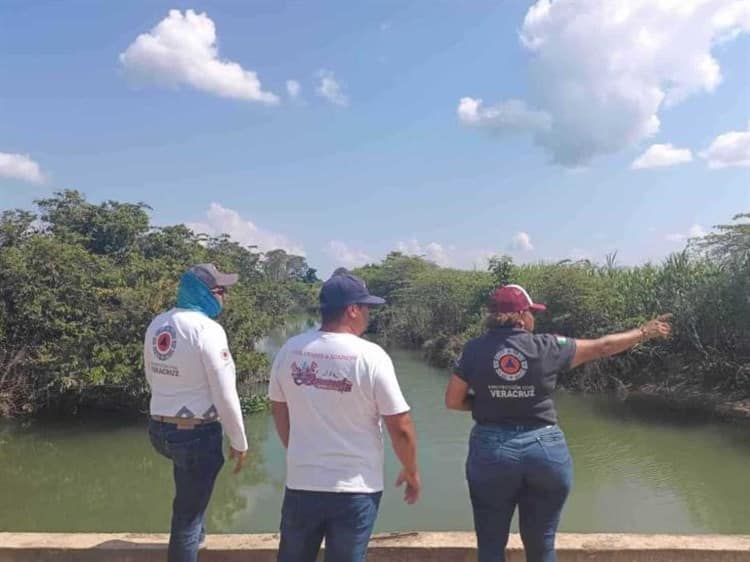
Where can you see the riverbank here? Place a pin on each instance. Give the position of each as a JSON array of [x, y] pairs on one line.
[[397, 547], [688, 400]]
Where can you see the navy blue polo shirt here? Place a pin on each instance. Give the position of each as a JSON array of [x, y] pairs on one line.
[[513, 374]]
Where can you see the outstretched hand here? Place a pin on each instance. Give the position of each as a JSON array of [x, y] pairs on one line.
[[413, 485], [659, 327]]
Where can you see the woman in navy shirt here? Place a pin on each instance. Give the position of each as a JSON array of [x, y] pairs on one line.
[[517, 453]]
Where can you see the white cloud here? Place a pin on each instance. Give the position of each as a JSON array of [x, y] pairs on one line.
[[344, 255], [695, 231], [330, 89], [182, 49], [729, 149], [432, 251], [661, 155], [603, 71], [20, 167], [521, 242], [293, 88], [220, 220], [509, 116]]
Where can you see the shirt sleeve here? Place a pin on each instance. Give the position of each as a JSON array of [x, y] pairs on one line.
[[388, 396], [222, 381], [556, 352], [146, 349], [275, 391]]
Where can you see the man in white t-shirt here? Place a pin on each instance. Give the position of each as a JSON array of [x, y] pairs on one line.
[[329, 391], [193, 395]]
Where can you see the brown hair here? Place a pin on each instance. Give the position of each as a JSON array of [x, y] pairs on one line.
[[503, 320]]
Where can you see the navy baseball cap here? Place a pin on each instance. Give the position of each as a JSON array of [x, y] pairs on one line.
[[343, 289]]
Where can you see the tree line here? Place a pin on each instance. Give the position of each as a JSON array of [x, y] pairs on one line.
[[706, 286], [80, 282]]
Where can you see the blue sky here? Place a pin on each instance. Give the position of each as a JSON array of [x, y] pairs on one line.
[[453, 129]]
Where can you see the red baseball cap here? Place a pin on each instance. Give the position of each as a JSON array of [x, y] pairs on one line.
[[512, 298]]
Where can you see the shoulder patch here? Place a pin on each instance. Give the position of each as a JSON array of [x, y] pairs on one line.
[[561, 340]]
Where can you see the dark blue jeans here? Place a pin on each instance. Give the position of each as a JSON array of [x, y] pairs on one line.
[[197, 457], [511, 466], [344, 519]]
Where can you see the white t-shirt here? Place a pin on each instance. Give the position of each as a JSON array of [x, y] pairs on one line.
[[191, 372], [337, 387]]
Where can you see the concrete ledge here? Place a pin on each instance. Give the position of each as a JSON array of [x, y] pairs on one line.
[[398, 547]]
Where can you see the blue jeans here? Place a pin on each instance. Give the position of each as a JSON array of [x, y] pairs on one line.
[[197, 457], [344, 519], [511, 466]]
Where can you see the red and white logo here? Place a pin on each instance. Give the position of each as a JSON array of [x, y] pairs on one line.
[[510, 364], [164, 342]]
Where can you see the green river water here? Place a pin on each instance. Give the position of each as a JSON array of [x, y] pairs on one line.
[[635, 471]]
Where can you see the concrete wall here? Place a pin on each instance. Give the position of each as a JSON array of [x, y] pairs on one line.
[[399, 547]]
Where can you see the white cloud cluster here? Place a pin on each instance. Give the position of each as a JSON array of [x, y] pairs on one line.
[[510, 116], [220, 220], [521, 242], [182, 49], [432, 251], [329, 88], [342, 254], [729, 149], [20, 167], [602, 71], [293, 88], [662, 155], [695, 231]]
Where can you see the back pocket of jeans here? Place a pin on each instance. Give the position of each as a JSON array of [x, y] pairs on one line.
[[185, 454], [555, 448], [484, 450]]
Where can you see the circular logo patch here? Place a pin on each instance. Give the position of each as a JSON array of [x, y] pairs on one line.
[[509, 364], [164, 342]]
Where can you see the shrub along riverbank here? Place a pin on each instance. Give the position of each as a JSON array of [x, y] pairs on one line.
[[706, 286], [80, 282]]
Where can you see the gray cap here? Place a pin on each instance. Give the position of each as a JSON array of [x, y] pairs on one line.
[[212, 277]]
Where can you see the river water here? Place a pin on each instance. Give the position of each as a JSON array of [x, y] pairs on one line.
[[635, 471]]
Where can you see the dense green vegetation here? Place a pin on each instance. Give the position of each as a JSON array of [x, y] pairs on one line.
[[79, 283], [706, 286]]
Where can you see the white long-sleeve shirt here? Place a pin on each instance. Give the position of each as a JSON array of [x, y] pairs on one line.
[[191, 371]]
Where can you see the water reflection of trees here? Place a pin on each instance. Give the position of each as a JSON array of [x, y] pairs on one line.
[[238, 498], [653, 474], [103, 476], [655, 469]]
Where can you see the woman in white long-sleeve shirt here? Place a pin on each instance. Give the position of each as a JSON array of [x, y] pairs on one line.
[[193, 395]]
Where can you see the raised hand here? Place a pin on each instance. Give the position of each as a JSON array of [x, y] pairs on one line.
[[659, 327]]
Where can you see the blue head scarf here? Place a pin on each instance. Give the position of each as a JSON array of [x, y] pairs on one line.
[[193, 294]]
